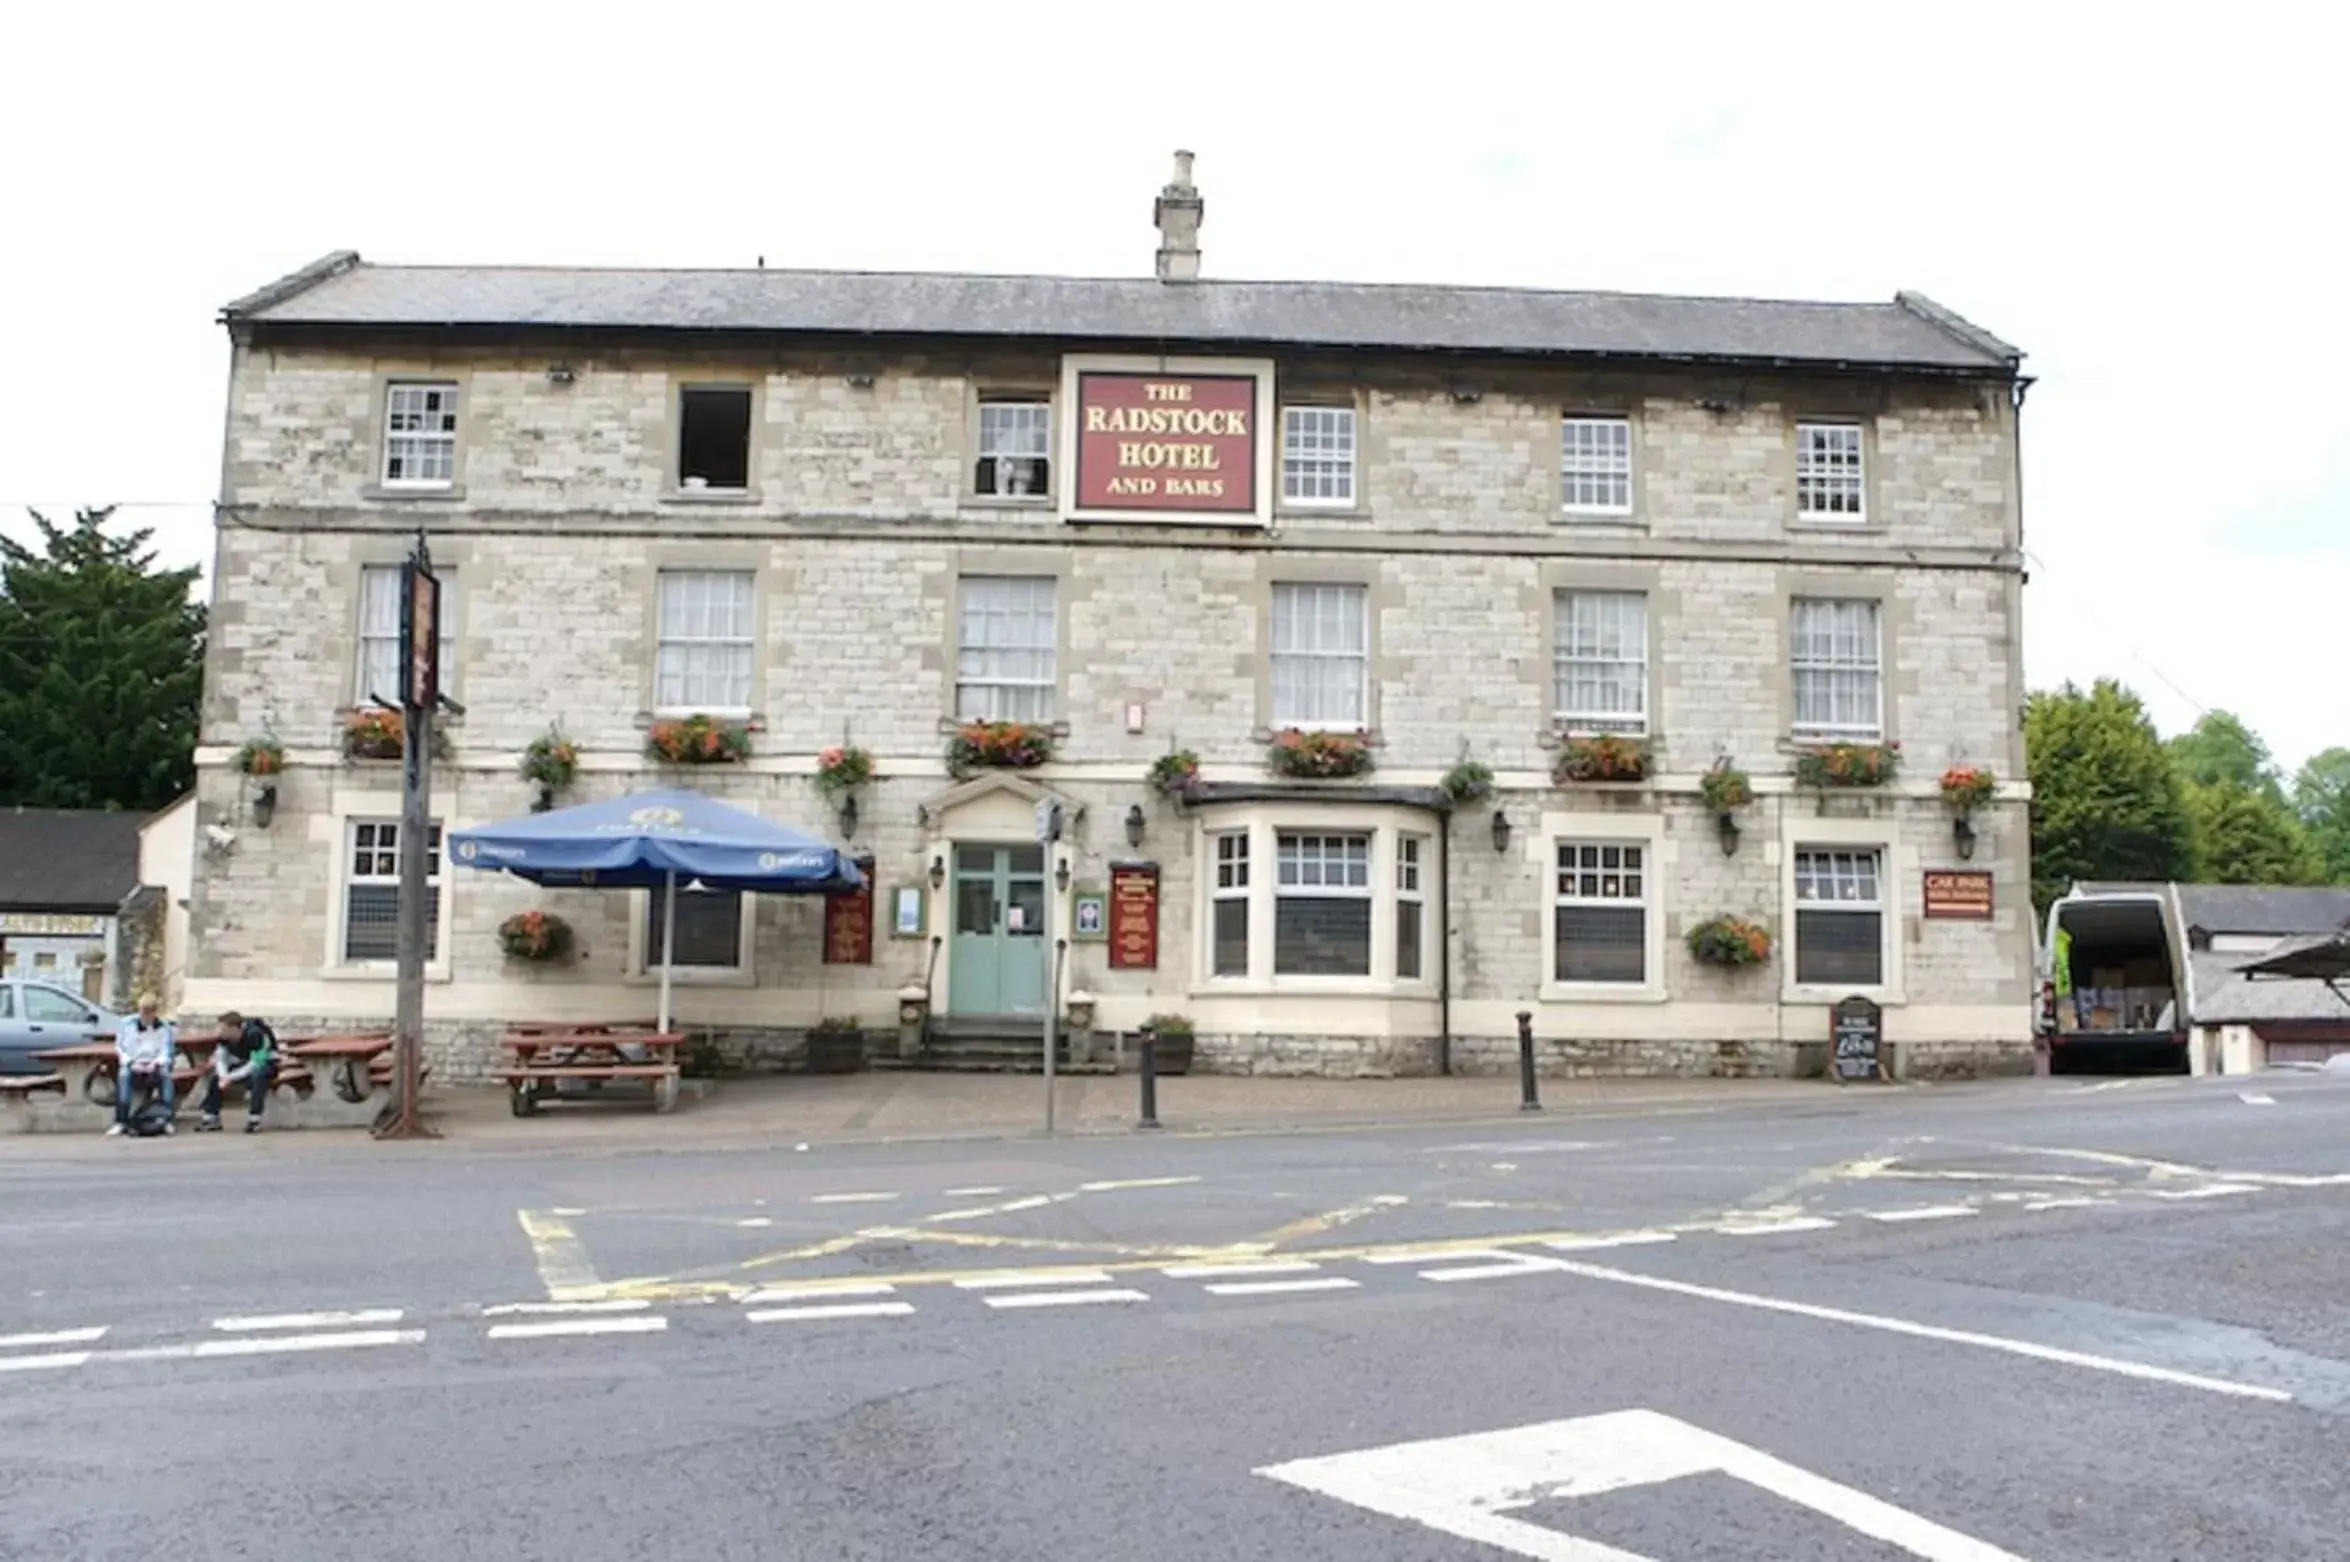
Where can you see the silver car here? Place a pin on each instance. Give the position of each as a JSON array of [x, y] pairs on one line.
[[36, 1017]]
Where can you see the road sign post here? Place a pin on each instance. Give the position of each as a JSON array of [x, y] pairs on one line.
[[1048, 834]]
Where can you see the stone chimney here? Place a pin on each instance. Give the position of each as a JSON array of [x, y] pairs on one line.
[[1177, 212]]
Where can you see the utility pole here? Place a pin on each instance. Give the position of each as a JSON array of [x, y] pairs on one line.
[[1048, 834], [420, 697]]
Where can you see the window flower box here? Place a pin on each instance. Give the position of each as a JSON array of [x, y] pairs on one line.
[[1730, 942], [1601, 759], [549, 764], [842, 768], [535, 936], [1967, 787], [1319, 756], [998, 745], [1468, 782], [376, 733], [1175, 775], [1838, 765], [699, 740]]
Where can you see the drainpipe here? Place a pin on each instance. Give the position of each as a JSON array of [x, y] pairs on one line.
[[1444, 949]]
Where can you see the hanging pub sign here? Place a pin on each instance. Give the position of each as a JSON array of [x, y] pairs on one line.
[[1167, 439], [848, 922], [1134, 916], [420, 632]]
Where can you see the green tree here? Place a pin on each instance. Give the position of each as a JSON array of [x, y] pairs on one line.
[[2321, 794], [2245, 835], [2106, 800], [101, 670], [2220, 750]]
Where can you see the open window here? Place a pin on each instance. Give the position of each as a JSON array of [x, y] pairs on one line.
[[714, 438]]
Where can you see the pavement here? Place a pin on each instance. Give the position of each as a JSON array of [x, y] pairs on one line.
[[2033, 1318]]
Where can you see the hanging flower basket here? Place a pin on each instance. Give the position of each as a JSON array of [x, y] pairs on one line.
[[1175, 775], [536, 936], [550, 763], [1468, 782], [1725, 787], [261, 757], [842, 768], [1848, 765], [1966, 788], [1601, 759], [1729, 941], [1320, 756], [998, 745], [376, 733], [699, 740]]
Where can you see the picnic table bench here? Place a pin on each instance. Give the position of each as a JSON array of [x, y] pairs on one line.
[[539, 1058]]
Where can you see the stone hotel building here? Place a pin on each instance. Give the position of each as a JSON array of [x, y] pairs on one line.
[[1489, 644]]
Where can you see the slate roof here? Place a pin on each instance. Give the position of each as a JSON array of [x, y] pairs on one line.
[[66, 860], [1912, 332], [2224, 908], [2225, 996]]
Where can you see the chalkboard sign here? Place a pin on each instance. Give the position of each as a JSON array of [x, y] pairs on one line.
[[1858, 1031]]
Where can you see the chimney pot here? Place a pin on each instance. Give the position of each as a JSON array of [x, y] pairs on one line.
[[1178, 214]]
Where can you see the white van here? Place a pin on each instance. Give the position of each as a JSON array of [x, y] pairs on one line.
[[2111, 983]]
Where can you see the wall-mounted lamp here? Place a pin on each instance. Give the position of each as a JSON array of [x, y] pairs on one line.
[[265, 805], [1962, 830], [1061, 874], [848, 816], [1467, 392], [859, 380], [1134, 825], [1726, 826], [1501, 831], [938, 872], [561, 374]]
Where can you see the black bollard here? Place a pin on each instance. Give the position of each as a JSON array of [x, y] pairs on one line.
[[1528, 1100], [1150, 1077]]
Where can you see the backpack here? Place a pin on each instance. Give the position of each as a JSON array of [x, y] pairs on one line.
[[149, 1116]]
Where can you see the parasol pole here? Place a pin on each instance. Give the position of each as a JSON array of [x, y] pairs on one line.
[[668, 944]]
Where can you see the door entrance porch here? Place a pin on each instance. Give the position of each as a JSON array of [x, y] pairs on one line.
[[998, 966]]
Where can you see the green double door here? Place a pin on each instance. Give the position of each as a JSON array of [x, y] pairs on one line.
[[999, 954]]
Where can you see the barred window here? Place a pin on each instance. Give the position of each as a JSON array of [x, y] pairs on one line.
[[1230, 905], [379, 634], [420, 436], [1600, 662], [1828, 483], [1601, 916], [1837, 667], [1015, 448], [1005, 649], [1321, 656], [1322, 905], [1839, 918], [1595, 465], [706, 642], [371, 892], [1318, 455]]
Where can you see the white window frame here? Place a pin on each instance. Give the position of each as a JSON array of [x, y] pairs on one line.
[[1312, 664], [644, 955], [1261, 825], [1311, 881], [1595, 464], [1633, 868], [1318, 455], [1595, 646], [675, 651], [1411, 903], [1845, 655], [750, 394], [379, 632], [1831, 472], [1643, 830], [1018, 624], [430, 439], [1839, 855], [381, 857], [1229, 861], [1019, 429]]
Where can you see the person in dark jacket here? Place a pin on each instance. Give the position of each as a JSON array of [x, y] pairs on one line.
[[244, 1050]]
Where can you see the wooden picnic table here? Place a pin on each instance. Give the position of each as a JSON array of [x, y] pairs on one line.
[[87, 1068], [540, 1056], [357, 1062]]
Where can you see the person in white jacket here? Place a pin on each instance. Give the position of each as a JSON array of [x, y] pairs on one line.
[[144, 1043]]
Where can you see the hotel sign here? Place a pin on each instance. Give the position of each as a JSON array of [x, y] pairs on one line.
[[1167, 440]]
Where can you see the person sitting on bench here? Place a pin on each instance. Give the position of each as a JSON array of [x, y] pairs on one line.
[[144, 1048], [246, 1050]]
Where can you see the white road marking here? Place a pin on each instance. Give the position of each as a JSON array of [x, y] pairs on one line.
[[2041, 1204], [54, 1337], [1924, 1212], [559, 1210], [537, 1331], [2255, 1098], [1063, 1298], [36, 1363], [617, 1305], [971, 1193], [837, 1310], [1468, 1486], [982, 1211], [1135, 1182], [755, 1222], [1295, 1266], [1032, 1277], [1774, 1228], [1282, 1287], [2218, 1190], [272, 1344], [852, 1198], [1514, 1264], [1621, 1239], [1924, 1331], [1433, 1255], [813, 1289], [306, 1320]]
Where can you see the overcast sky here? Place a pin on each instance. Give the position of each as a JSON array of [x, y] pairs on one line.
[[2153, 211]]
